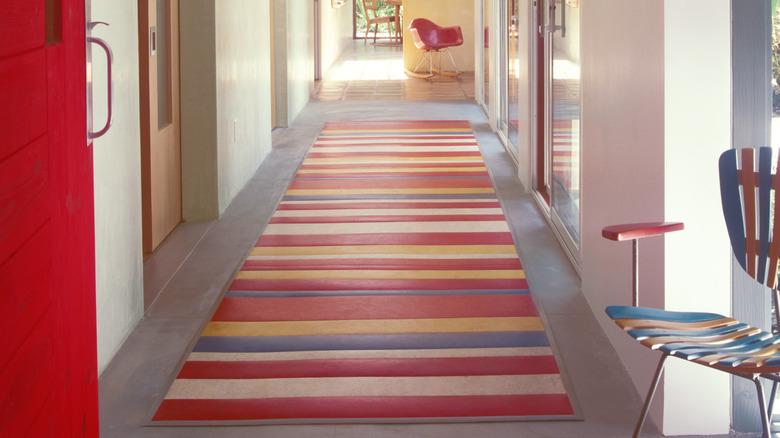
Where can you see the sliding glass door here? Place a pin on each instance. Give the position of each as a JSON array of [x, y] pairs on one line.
[[562, 117]]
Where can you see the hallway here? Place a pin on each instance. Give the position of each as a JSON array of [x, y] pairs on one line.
[[192, 269]]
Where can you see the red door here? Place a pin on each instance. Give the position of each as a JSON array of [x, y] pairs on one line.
[[48, 378]]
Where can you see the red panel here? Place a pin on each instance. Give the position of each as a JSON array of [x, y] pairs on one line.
[[26, 382], [23, 93], [24, 202], [21, 26], [26, 292]]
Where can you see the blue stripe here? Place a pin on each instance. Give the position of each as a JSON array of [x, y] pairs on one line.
[[764, 197], [732, 204], [426, 341]]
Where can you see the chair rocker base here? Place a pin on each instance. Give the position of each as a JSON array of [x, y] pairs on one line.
[[433, 68]]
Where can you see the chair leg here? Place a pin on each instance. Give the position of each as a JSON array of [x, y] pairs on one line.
[[368, 27], [649, 399], [762, 407], [770, 410]]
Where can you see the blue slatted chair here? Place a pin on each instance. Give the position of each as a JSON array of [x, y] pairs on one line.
[[709, 339]]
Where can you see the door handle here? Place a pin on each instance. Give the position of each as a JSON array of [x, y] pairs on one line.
[[110, 97]]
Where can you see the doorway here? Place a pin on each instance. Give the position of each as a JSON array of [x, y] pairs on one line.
[[160, 120]]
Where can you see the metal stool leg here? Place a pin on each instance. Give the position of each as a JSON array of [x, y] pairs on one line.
[[762, 407], [650, 394]]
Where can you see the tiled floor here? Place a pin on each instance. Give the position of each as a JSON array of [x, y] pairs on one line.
[[371, 72], [197, 262]]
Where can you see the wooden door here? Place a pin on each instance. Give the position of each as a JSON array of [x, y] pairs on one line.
[[160, 119], [48, 357]]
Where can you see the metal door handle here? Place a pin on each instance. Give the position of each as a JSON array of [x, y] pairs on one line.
[[109, 63]]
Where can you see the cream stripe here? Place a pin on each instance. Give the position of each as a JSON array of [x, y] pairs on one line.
[[372, 326], [388, 227], [365, 386], [384, 249], [387, 211], [371, 354], [380, 274]]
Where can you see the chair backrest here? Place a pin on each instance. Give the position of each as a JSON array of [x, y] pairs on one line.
[[427, 34], [369, 5], [752, 215]]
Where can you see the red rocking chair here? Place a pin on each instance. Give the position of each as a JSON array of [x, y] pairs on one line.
[[432, 38], [710, 339]]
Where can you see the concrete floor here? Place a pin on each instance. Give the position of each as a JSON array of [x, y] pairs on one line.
[[187, 275]]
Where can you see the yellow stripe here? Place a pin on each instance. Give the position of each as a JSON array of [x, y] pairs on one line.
[[373, 326], [397, 169], [384, 249], [307, 192], [377, 274]]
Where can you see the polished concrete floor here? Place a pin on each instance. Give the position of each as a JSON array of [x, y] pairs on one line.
[[185, 278]]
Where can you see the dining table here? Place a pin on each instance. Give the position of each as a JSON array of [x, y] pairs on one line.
[[398, 31]]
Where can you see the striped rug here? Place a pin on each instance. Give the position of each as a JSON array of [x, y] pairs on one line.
[[386, 288]]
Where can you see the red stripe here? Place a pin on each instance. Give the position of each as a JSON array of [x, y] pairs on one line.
[[391, 174], [367, 141], [377, 284], [382, 263], [423, 367], [465, 238], [391, 154], [384, 165], [365, 407], [388, 218], [421, 124], [387, 205], [373, 307], [392, 184]]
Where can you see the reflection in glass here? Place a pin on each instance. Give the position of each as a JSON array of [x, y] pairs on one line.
[[513, 75], [163, 65], [487, 9], [566, 120]]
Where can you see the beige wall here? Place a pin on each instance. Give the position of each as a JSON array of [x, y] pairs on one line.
[[243, 59], [226, 100], [117, 172], [444, 13]]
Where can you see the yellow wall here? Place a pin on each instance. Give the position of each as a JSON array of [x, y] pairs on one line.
[[444, 13]]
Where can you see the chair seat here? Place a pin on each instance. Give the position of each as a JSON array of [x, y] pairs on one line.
[[709, 339]]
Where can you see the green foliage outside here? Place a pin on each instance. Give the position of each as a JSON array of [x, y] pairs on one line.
[[382, 9]]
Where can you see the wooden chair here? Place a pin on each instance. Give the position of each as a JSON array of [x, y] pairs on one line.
[[370, 5], [432, 38], [709, 339]]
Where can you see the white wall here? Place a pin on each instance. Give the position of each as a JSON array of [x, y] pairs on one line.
[[117, 172], [336, 31], [622, 59], [698, 260], [300, 55], [243, 122]]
